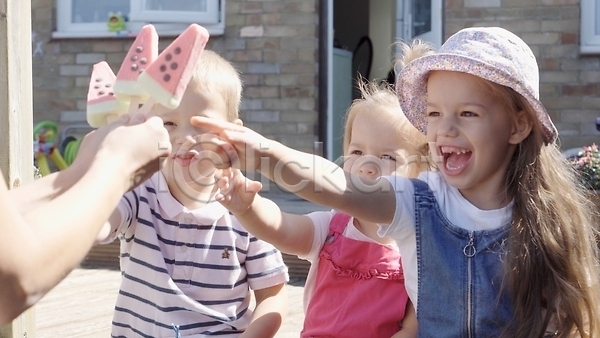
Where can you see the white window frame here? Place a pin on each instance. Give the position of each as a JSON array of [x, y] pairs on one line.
[[167, 23], [404, 29], [139, 13], [590, 40]]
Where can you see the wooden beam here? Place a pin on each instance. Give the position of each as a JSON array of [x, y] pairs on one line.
[[16, 117]]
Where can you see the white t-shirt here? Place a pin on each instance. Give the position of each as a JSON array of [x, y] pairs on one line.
[[453, 205], [321, 220]]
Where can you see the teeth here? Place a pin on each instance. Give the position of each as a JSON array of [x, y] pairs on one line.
[[454, 168], [450, 150]]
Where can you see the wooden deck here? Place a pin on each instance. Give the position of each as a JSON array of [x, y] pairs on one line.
[[82, 306]]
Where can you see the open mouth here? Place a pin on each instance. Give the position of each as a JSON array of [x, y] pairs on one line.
[[455, 158], [184, 159]]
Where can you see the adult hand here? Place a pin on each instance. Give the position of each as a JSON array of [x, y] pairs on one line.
[[138, 143]]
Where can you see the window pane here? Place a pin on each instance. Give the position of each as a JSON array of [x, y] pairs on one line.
[[97, 11], [421, 13], [176, 5]]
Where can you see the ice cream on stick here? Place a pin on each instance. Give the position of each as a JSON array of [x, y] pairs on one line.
[[102, 105], [166, 79], [141, 54]]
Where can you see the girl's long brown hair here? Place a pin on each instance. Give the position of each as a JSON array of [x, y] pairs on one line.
[[552, 262]]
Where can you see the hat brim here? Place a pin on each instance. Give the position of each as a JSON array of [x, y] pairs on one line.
[[411, 87]]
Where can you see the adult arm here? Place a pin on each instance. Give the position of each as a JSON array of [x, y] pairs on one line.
[[47, 232]]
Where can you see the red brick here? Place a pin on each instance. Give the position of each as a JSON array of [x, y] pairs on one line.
[[583, 90], [569, 38], [549, 64]]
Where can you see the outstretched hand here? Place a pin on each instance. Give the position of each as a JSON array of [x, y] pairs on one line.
[[236, 192], [244, 145], [139, 143]]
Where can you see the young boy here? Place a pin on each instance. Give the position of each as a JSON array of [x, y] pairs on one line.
[[187, 265]]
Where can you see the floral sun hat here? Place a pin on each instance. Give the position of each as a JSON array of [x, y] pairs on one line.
[[491, 53]]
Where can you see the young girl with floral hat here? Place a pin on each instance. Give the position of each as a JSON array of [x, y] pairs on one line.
[[500, 241]]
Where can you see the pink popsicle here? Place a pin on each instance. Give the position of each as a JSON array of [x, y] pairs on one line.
[[168, 76], [142, 53], [102, 105]]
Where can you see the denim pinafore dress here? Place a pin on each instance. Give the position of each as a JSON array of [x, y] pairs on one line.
[[460, 275]]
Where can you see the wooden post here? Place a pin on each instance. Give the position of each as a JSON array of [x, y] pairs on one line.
[[16, 118]]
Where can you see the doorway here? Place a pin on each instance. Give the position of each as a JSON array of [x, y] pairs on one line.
[[356, 39]]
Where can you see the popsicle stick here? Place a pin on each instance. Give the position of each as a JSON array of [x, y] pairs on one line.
[[134, 105], [147, 106]]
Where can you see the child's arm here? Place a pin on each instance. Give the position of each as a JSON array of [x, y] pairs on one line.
[[271, 309], [292, 234], [309, 176], [410, 328], [109, 226]]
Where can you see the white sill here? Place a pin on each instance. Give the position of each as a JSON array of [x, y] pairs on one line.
[[589, 49], [215, 30]]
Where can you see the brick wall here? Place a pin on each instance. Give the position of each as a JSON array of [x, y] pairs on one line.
[[568, 81], [272, 43]]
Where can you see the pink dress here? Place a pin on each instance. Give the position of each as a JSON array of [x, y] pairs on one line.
[[359, 289]]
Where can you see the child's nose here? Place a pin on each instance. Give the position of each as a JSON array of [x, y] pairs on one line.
[[370, 168], [185, 138], [188, 135], [447, 127]]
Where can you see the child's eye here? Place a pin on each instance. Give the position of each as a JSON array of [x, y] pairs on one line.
[[168, 123], [468, 113], [356, 152], [433, 113], [388, 158]]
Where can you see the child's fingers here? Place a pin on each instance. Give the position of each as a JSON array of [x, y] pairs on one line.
[[137, 119], [223, 149], [215, 126], [223, 199], [224, 185], [253, 186]]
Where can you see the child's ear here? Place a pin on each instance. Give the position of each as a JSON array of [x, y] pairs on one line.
[[521, 128], [238, 122]]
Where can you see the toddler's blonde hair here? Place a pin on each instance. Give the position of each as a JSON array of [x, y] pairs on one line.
[[215, 75], [381, 99]]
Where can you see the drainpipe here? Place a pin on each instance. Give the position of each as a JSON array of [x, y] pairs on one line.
[[323, 73]]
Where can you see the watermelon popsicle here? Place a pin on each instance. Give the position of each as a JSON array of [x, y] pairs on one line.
[[102, 105], [141, 54], [168, 76]]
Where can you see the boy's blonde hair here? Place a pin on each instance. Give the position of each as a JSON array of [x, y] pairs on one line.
[[215, 75], [381, 99], [552, 264]]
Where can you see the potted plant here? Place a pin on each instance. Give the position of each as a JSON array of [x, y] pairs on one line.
[[587, 165]]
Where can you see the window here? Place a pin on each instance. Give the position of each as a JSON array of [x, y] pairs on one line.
[[590, 27], [85, 18], [419, 19]]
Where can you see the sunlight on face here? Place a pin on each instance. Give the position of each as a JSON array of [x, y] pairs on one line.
[[377, 147], [471, 128], [194, 154]]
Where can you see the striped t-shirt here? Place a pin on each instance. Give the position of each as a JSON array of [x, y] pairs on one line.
[[186, 271]]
